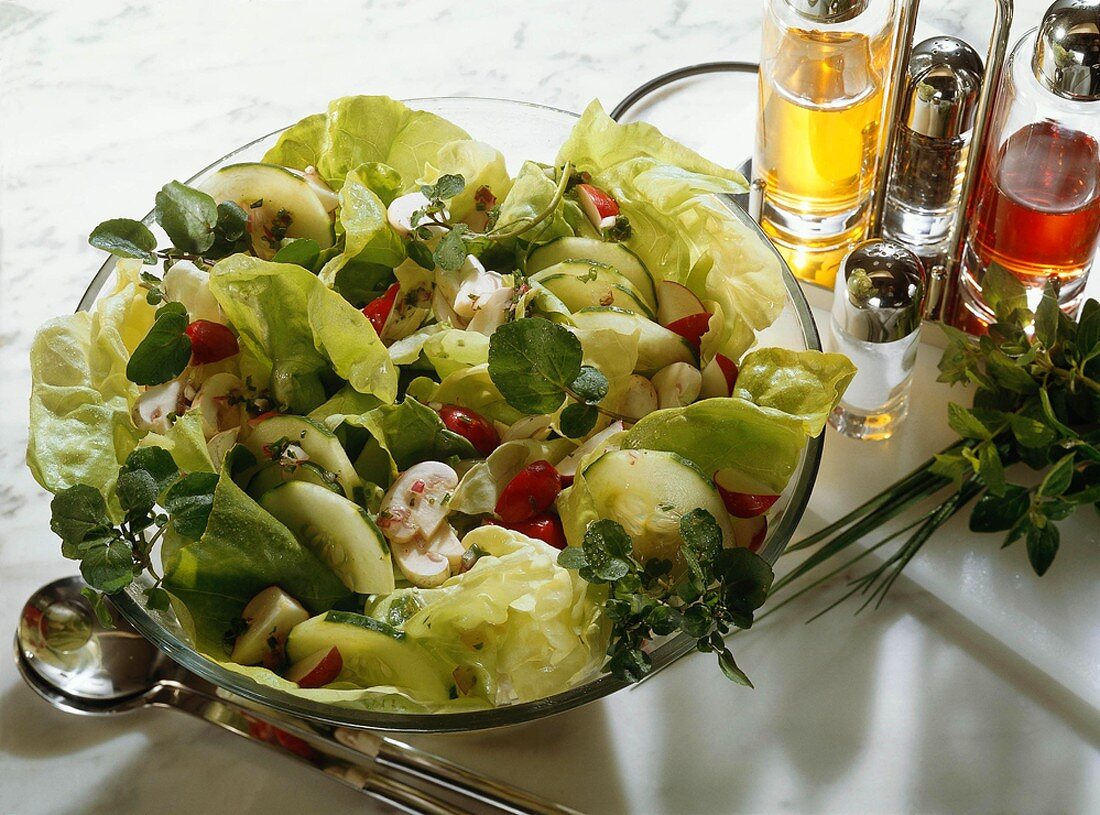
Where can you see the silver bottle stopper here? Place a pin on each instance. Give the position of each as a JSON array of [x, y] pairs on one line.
[[1067, 50], [945, 77], [829, 11], [879, 292]]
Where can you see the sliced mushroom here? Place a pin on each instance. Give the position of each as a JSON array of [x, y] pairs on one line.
[[325, 194], [421, 566], [221, 444], [637, 398], [158, 406], [491, 312], [677, 385], [186, 283], [218, 402], [475, 288], [416, 504], [400, 211]]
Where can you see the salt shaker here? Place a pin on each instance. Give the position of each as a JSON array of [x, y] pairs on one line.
[[877, 302]]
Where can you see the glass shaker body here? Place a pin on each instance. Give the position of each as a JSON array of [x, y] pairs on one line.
[[819, 128], [1036, 208]]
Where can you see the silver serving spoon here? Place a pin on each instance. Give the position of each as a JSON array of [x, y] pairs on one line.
[[81, 667]]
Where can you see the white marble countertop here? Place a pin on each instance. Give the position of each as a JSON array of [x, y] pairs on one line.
[[911, 709]]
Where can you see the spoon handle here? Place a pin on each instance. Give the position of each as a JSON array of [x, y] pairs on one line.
[[301, 742]]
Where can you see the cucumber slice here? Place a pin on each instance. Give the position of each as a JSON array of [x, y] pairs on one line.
[[613, 254], [372, 654], [279, 189], [319, 443], [337, 530], [648, 491], [657, 346], [583, 283], [272, 475]]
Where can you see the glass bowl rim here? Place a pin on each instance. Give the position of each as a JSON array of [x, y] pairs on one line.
[[603, 685]]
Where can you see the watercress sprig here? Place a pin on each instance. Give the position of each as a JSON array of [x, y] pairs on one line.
[[537, 365], [712, 592], [199, 228], [459, 240], [153, 494]]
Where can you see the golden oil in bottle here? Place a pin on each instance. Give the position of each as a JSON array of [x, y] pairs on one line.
[[822, 75]]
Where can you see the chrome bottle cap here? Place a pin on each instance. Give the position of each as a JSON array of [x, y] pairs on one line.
[[1067, 50], [879, 292], [829, 11], [945, 77]]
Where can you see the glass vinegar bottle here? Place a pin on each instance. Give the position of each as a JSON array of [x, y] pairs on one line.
[[1035, 210], [823, 67]]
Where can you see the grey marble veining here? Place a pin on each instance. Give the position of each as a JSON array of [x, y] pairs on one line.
[[102, 102]]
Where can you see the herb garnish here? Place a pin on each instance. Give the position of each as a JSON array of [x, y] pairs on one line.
[[536, 365], [111, 554], [714, 591]]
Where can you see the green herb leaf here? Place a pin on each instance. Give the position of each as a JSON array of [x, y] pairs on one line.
[[188, 216], [189, 502], [163, 353], [1047, 317], [746, 580], [965, 423], [995, 513], [701, 535], [1008, 374], [125, 238], [107, 563], [1042, 546], [303, 252], [157, 598], [446, 187], [99, 606], [630, 664], [590, 384], [577, 420], [531, 361], [607, 549], [146, 473], [1004, 293], [420, 254], [1058, 478], [572, 557], [663, 619], [1030, 432], [76, 512], [232, 221], [730, 669], [450, 254], [990, 468]]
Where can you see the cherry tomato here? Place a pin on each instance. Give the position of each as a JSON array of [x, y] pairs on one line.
[[531, 491], [472, 426], [378, 310], [210, 342], [545, 527]]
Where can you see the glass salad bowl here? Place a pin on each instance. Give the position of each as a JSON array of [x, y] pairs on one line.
[[520, 131]]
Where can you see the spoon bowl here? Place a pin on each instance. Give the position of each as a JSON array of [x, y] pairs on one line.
[[73, 661]]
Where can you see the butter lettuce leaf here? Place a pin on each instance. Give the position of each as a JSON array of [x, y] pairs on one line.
[[805, 385], [361, 129], [368, 238], [479, 164], [243, 551], [80, 426], [530, 195], [526, 627], [185, 442], [293, 328], [411, 432], [718, 433], [679, 227]]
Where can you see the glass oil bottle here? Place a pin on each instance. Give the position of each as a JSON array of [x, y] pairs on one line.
[[823, 73]]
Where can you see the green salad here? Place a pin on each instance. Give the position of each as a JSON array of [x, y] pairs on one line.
[[387, 426]]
